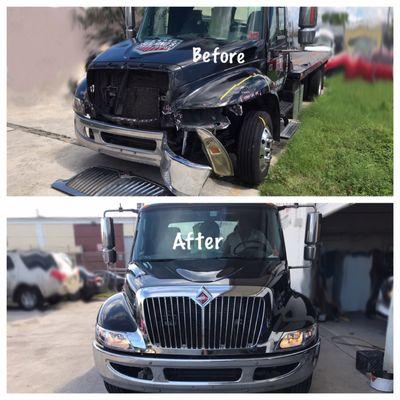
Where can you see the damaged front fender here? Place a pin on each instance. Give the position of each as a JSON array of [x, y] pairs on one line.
[[234, 87]]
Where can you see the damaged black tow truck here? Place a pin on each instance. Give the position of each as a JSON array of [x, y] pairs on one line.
[[147, 100]]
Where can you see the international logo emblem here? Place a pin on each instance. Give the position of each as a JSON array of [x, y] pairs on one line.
[[203, 297]]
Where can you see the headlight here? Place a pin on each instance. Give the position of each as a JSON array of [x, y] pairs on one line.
[[297, 338], [78, 106], [127, 341]]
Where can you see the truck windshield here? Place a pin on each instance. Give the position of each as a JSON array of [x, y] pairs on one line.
[[208, 232], [220, 23]]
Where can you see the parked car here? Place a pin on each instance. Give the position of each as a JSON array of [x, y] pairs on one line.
[[35, 277], [92, 284], [72, 280], [112, 281], [207, 304]]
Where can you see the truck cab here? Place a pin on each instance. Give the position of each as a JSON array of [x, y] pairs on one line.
[[207, 304], [151, 100]]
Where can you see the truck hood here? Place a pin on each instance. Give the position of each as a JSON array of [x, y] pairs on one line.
[[219, 272], [177, 55]]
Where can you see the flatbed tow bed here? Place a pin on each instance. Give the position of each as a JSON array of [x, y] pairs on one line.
[[303, 63]]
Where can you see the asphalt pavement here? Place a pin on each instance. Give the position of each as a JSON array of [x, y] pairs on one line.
[[50, 351]]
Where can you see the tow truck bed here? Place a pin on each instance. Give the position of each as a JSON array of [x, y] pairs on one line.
[[303, 63]]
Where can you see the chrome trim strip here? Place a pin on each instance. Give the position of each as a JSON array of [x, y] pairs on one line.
[[180, 176]]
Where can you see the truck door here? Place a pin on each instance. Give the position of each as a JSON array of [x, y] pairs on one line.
[[277, 44]]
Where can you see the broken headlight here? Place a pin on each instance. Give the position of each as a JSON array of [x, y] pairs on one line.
[[79, 106], [301, 337], [216, 153]]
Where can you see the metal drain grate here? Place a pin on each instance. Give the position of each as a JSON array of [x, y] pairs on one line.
[[100, 181]]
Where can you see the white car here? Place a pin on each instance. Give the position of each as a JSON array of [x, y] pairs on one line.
[[34, 277], [72, 282]]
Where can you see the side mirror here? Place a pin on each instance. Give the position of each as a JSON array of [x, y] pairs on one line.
[[308, 17], [108, 240], [129, 22], [307, 23], [313, 233]]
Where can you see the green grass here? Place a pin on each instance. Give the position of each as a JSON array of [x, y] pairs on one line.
[[344, 145]]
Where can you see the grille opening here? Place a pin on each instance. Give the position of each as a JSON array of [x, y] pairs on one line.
[[263, 373], [128, 93], [89, 133], [126, 141], [202, 375], [133, 372], [225, 323]]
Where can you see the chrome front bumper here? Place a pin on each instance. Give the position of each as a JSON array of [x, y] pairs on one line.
[[305, 360], [180, 176]]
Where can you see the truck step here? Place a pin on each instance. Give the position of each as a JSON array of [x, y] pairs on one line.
[[285, 107], [290, 129], [101, 181]]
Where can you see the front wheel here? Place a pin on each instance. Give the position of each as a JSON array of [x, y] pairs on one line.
[[115, 389], [255, 147]]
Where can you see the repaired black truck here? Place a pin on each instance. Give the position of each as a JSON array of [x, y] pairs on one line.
[[147, 100], [207, 304]]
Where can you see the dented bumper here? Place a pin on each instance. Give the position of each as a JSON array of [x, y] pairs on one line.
[[181, 176]]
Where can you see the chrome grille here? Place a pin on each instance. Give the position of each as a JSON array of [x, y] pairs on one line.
[[227, 322]]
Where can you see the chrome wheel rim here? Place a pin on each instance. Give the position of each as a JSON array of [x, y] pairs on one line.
[[320, 87], [265, 149], [28, 299]]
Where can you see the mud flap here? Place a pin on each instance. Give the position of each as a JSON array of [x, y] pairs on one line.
[[100, 181]]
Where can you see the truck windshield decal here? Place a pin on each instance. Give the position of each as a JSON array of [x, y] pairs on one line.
[[157, 45]]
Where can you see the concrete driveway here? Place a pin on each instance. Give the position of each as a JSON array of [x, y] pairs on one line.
[[50, 351], [41, 148]]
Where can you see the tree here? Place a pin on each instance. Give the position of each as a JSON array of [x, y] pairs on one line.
[[335, 18], [102, 27]]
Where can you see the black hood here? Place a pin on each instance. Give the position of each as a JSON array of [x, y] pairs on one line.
[[255, 272], [177, 55]]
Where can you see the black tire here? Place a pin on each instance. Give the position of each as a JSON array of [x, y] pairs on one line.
[[115, 389], [53, 300], [251, 168], [302, 387], [29, 298], [76, 296], [315, 85], [86, 296]]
